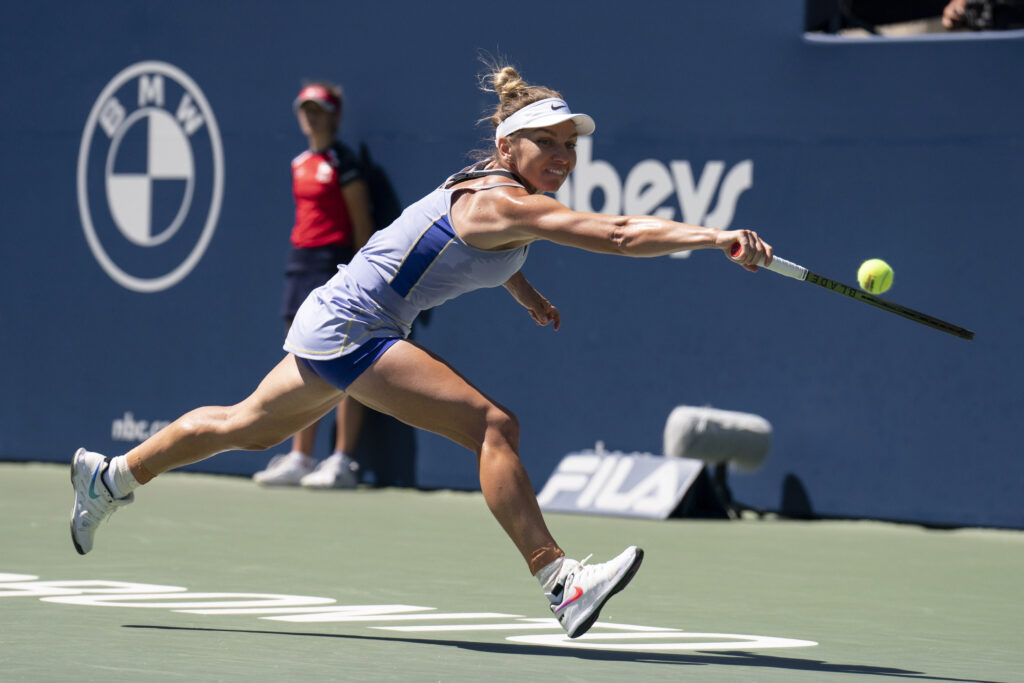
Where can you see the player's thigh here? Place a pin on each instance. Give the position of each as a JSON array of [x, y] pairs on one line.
[[290, 397], [421, 389]]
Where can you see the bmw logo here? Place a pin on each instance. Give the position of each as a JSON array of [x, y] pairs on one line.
[[150, 176]]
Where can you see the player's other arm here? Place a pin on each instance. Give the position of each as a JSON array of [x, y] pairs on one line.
[[533, 301]]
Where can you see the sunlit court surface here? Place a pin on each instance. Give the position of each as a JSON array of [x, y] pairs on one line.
[[212, 578]]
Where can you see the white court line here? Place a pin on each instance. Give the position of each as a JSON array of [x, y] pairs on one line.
[[519, 625], [513, 626], [300, 608], [686, 641], [258, 610], [342, 616]]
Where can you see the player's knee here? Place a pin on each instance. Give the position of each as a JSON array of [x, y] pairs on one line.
[[502, 424]]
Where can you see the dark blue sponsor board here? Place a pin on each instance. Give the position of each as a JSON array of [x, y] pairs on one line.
[[837, 151]]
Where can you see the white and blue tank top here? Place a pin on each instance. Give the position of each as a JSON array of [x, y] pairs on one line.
[[415, 263]]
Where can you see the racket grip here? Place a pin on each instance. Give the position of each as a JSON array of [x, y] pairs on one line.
[[779, 265], [787, 268]]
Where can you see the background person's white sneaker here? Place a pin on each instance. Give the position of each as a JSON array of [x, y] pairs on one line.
[[93, 501], [286, 469], [580, 591], [336, 472]]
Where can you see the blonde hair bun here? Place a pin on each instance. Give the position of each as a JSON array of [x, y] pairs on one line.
[[508, 84]]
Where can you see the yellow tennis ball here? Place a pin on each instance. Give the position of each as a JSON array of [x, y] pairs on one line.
[[875, 276]]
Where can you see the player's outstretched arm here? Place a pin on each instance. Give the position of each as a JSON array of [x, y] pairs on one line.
[[541, 217]]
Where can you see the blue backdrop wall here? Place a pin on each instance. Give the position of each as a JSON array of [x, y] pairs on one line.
[[120, 314]]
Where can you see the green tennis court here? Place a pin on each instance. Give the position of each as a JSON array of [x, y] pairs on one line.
[[243, 583]]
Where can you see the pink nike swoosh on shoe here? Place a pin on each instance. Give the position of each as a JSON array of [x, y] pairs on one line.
[[568, 601]]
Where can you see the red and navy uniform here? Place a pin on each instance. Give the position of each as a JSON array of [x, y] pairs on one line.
[[322, 235]]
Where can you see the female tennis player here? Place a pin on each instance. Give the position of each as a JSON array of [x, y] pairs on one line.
[[349, 337]]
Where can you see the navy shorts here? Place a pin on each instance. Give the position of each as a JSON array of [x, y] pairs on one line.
[[341, 372], [307, 269]]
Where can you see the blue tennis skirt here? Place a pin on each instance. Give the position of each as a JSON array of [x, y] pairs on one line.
[[342, 371]]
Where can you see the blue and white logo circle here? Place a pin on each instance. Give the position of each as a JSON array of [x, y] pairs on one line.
[[150, 177]]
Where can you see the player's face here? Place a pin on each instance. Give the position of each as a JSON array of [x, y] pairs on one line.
[[544, 157]]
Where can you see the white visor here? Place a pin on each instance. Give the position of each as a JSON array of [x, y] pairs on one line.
[[548, 112]]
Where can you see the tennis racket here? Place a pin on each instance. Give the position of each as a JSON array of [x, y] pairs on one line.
[[790, 269]]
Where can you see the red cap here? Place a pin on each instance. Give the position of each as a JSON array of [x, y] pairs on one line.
[[321, 95]]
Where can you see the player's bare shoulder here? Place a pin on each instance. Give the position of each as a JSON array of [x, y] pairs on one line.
[[484, 218]]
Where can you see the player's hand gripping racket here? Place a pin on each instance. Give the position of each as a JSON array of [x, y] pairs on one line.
[[790, 269]]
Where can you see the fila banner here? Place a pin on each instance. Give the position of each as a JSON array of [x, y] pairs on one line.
[[623, 484]]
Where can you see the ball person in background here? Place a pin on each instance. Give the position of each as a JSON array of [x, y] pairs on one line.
[[349, 336], [332, 221]]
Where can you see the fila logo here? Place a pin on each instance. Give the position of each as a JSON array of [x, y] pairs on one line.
[[650, 185], [150, 176], [633, 484]]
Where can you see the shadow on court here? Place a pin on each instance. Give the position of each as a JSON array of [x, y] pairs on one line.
[[732, 658]]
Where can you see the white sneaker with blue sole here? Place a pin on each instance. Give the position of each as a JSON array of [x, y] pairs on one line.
[[93, 501]]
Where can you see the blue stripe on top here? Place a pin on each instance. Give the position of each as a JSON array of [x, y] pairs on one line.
[[422, 255]]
